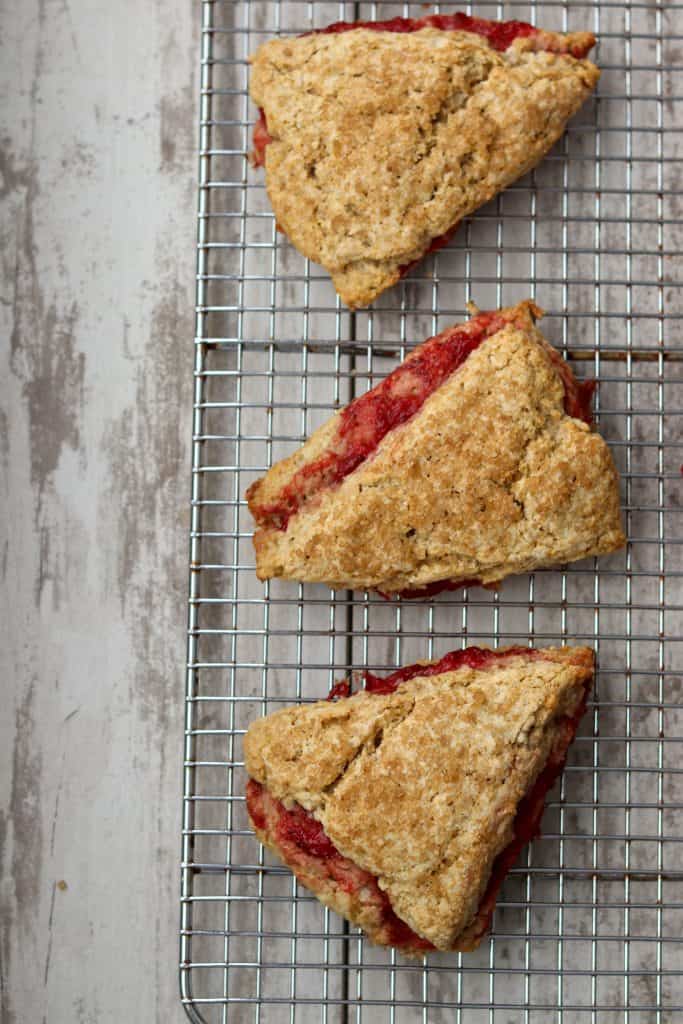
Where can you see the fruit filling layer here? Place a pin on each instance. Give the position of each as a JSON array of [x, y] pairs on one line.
[[436, 243], [313, 857], [364, 423], [310, 853], [261, 139], [469, 657], [578, 394], [369, 418], [431, 589], [500, 35]]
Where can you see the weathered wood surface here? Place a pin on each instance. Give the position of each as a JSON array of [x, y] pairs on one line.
[[97, 186], [98, 172]]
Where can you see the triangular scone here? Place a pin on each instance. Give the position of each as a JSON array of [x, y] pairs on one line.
[[378, 139], [404, 807], [470, 462]]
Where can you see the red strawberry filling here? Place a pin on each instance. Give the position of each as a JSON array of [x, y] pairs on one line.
[[436, 243], [431, 589], [307, 850], [261, 139], [500, 34], [310, 853], [368, 419], [470, 657], [578, 395]]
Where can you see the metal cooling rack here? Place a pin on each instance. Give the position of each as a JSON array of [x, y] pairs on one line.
[[588, 926]]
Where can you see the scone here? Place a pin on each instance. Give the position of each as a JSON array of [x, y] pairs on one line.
[[379, 137], [404, 806], [473, 460]]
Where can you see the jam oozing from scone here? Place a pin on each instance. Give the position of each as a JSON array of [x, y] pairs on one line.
[[261, 139], [470, 657], [364, 423], [307, 849], [436, 243], [578, 395], [422, 593], [369, 418], [340, 690], [499, 34]]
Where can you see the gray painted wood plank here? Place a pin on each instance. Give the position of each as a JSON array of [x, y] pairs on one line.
[[97, 222]]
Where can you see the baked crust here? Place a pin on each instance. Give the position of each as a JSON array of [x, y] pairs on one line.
[[489, 478], [382, 142], [421, 787]]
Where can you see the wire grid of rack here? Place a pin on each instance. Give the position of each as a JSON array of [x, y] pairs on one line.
[[589, 922]]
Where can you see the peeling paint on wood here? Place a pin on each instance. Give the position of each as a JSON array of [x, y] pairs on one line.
[[97, 203]]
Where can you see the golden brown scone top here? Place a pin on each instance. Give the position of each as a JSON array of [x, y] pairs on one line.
[[421, 787], [490, 478], [383, 141]]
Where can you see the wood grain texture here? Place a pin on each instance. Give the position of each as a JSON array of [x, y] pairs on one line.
[[98, 172]]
